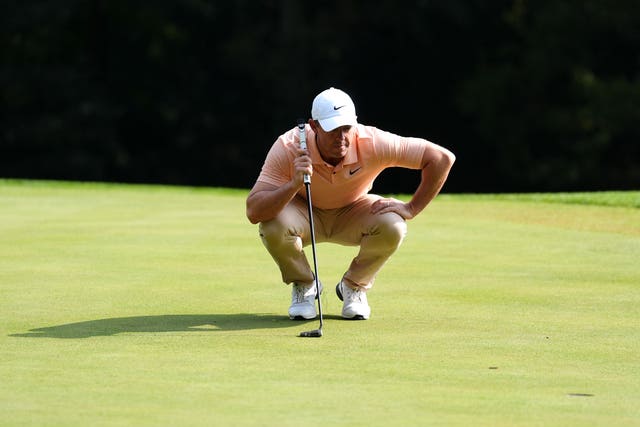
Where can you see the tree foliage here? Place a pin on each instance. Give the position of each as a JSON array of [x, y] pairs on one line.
[[540, 95]]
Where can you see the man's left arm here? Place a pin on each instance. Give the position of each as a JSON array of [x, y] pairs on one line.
[[436, 164]]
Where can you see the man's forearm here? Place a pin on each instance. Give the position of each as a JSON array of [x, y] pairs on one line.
[[265, 204], [434, 175]]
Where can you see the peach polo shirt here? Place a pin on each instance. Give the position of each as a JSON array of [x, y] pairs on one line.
[[372, 151]]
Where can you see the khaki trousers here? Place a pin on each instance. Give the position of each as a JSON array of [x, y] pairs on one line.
[[378, 236]]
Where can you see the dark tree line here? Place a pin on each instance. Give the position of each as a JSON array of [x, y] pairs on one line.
[[531, 95]]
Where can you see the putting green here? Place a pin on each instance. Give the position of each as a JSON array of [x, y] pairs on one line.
[[153, 305]]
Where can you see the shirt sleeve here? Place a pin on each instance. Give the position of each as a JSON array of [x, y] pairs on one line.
[[277, 166], [398, 151]]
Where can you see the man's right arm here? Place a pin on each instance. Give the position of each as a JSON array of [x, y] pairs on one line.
[[265, 200]]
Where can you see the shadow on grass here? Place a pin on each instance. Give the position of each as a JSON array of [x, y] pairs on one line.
[[164, 323]]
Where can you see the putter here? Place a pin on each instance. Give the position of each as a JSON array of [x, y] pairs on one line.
[[316, 333]]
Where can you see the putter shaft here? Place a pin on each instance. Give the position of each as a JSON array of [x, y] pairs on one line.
[[307, 182]]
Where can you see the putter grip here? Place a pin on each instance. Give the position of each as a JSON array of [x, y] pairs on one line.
[[303, 145]]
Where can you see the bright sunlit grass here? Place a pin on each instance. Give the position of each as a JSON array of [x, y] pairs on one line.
[[155, 305]]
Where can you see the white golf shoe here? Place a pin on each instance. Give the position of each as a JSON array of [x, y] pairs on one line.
[[355, 305], [303, 305]]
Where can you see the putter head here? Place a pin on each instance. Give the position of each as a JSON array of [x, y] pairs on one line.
[[316, 333]]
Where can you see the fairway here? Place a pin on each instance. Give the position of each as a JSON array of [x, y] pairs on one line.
[[156, 306]]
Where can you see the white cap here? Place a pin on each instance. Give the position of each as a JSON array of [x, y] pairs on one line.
[[333, 108]]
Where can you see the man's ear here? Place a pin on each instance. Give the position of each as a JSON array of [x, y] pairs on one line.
[[314, 125]]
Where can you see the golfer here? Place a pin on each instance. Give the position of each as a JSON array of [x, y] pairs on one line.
[[344, 158]]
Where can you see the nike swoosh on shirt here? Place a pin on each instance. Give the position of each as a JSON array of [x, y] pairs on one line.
[[355, 170]]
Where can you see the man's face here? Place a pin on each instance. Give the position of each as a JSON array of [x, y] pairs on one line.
[[333, 145]]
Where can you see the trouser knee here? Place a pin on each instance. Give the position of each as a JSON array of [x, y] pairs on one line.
[[392, 230], [276, 234], [272, 232]]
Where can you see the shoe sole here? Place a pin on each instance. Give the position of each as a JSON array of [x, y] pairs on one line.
[[302, 318]]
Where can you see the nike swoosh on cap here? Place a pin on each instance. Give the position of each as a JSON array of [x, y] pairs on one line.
[[337, 108]]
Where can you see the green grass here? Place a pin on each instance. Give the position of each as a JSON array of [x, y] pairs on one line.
[[150, 305], [599, 198]]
